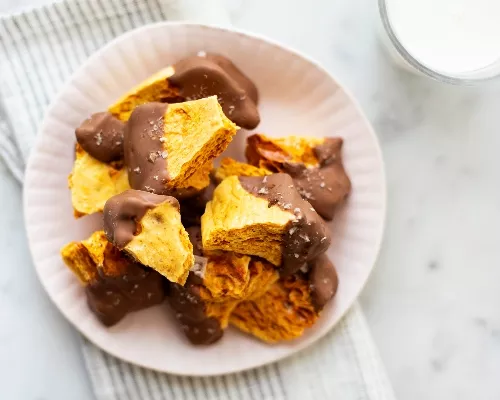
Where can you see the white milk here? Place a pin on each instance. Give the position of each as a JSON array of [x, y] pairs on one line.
[[448, 36]]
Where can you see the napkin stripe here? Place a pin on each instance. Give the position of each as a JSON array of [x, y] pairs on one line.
[[12, 55]]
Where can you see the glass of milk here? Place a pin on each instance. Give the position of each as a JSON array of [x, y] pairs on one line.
[[455, 41]]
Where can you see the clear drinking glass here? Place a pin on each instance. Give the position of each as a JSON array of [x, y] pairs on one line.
[[404, 59]]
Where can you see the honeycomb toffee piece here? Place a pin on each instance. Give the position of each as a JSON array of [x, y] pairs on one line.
[[281, 313], [264, 217], [315, 164], [323, 280], [148, 228], [165, 144], [101, 136], [229, 167], [193, 78], [210, 74], [93, 182], [204, 305], [154, 89], [195, 184], [228, 276], [114, 284]]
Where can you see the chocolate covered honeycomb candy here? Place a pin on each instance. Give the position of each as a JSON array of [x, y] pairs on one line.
[[148, 228], [228, 276], [264, 217], [193, 78], [165, 144], [114, 284], [291, 304], [315, 165], [98, 172], [214, 288]]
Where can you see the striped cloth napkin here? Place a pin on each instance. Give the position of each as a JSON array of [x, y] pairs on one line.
[[39, 49]]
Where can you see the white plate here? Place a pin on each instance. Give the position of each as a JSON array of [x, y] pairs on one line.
[[297, 97]]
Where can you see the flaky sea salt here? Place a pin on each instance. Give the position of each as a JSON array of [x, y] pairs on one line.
[[153, 156], [98, 138]]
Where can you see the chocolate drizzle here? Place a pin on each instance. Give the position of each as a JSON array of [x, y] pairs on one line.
[[123, 212], [112, 297], [207, 75], [101, 136], [145, 155], [325, 186], [323, 280], [307, 235], [190, 311]]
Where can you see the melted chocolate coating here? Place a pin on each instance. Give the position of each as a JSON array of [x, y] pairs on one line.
[[307, 235], [323, 280], [325, 186], [190, 311], [101, 136], [145, 155], [198, 77], [123, 212], [111, 298]]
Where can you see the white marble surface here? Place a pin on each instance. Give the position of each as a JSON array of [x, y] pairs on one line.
[[433, 299]]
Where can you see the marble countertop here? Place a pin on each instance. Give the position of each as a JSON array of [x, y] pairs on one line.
[[432, 302]]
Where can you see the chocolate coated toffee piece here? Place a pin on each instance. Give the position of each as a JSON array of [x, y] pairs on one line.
[[194, 78], [101, 136], [306, 235], [111, 298], [123, 213], [148, 228], [165, 145], [326, 185], [265, 217], [210, 74], [114, 284], [315, 164]]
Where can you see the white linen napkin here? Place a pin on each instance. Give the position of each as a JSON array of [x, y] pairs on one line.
[[39, 49]]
